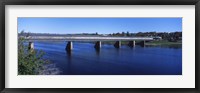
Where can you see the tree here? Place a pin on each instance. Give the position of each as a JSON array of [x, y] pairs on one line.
[[29, 62], [123, 33], [127, 34], [22, 33], [28, 34], [117, 34]]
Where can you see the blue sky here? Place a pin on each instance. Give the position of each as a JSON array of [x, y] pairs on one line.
[[100, 25]]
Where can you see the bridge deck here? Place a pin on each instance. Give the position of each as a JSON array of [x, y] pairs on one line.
[[88, 38]]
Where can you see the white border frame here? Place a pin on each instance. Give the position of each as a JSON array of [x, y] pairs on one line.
[[186, 80]]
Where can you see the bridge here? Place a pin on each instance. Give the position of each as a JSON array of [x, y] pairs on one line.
[[98, 40]]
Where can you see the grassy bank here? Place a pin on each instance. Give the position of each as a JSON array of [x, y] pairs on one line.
[[163, 42]]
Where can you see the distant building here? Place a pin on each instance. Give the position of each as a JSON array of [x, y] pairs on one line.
[[180, 38], [104, 34], [157, 38]]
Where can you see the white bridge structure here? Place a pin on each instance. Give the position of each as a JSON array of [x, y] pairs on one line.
[[98, 40]]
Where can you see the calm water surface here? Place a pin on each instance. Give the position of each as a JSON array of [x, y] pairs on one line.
[[85, 60]]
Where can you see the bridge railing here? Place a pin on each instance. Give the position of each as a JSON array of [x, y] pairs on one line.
[[86, 38]]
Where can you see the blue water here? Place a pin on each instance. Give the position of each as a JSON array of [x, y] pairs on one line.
[[85, 60]]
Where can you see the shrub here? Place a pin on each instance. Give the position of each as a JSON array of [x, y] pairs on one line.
[[30, 62]]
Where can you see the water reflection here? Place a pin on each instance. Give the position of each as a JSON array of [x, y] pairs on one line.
[[69, 61], [69, 53], [97, 50]]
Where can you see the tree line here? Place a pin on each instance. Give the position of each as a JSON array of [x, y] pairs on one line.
[[171, 36]]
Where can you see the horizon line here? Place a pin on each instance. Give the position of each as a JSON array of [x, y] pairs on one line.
[[103, 33]]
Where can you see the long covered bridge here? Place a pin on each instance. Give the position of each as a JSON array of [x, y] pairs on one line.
[[98, 40]]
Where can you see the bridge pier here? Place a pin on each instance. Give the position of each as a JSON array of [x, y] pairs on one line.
[[31, 46], [117, 44], [131, 43], [69, 46], [143, 43], [97, 45]]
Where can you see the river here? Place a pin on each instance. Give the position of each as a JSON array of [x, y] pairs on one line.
[[85, 60]]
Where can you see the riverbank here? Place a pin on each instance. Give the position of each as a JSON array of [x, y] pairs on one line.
[[163, 42]]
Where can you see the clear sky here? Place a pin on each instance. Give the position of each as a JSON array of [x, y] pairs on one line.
[[99, 25]]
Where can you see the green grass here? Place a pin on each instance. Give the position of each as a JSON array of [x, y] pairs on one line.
[[163, 42]]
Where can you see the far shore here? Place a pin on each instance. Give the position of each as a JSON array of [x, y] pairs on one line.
[[164, 42]]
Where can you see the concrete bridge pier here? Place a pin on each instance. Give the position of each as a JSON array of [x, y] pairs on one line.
[[97, 45], [31, 46], [117, 44], [143, 43], [69, 46], [131, 43]]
